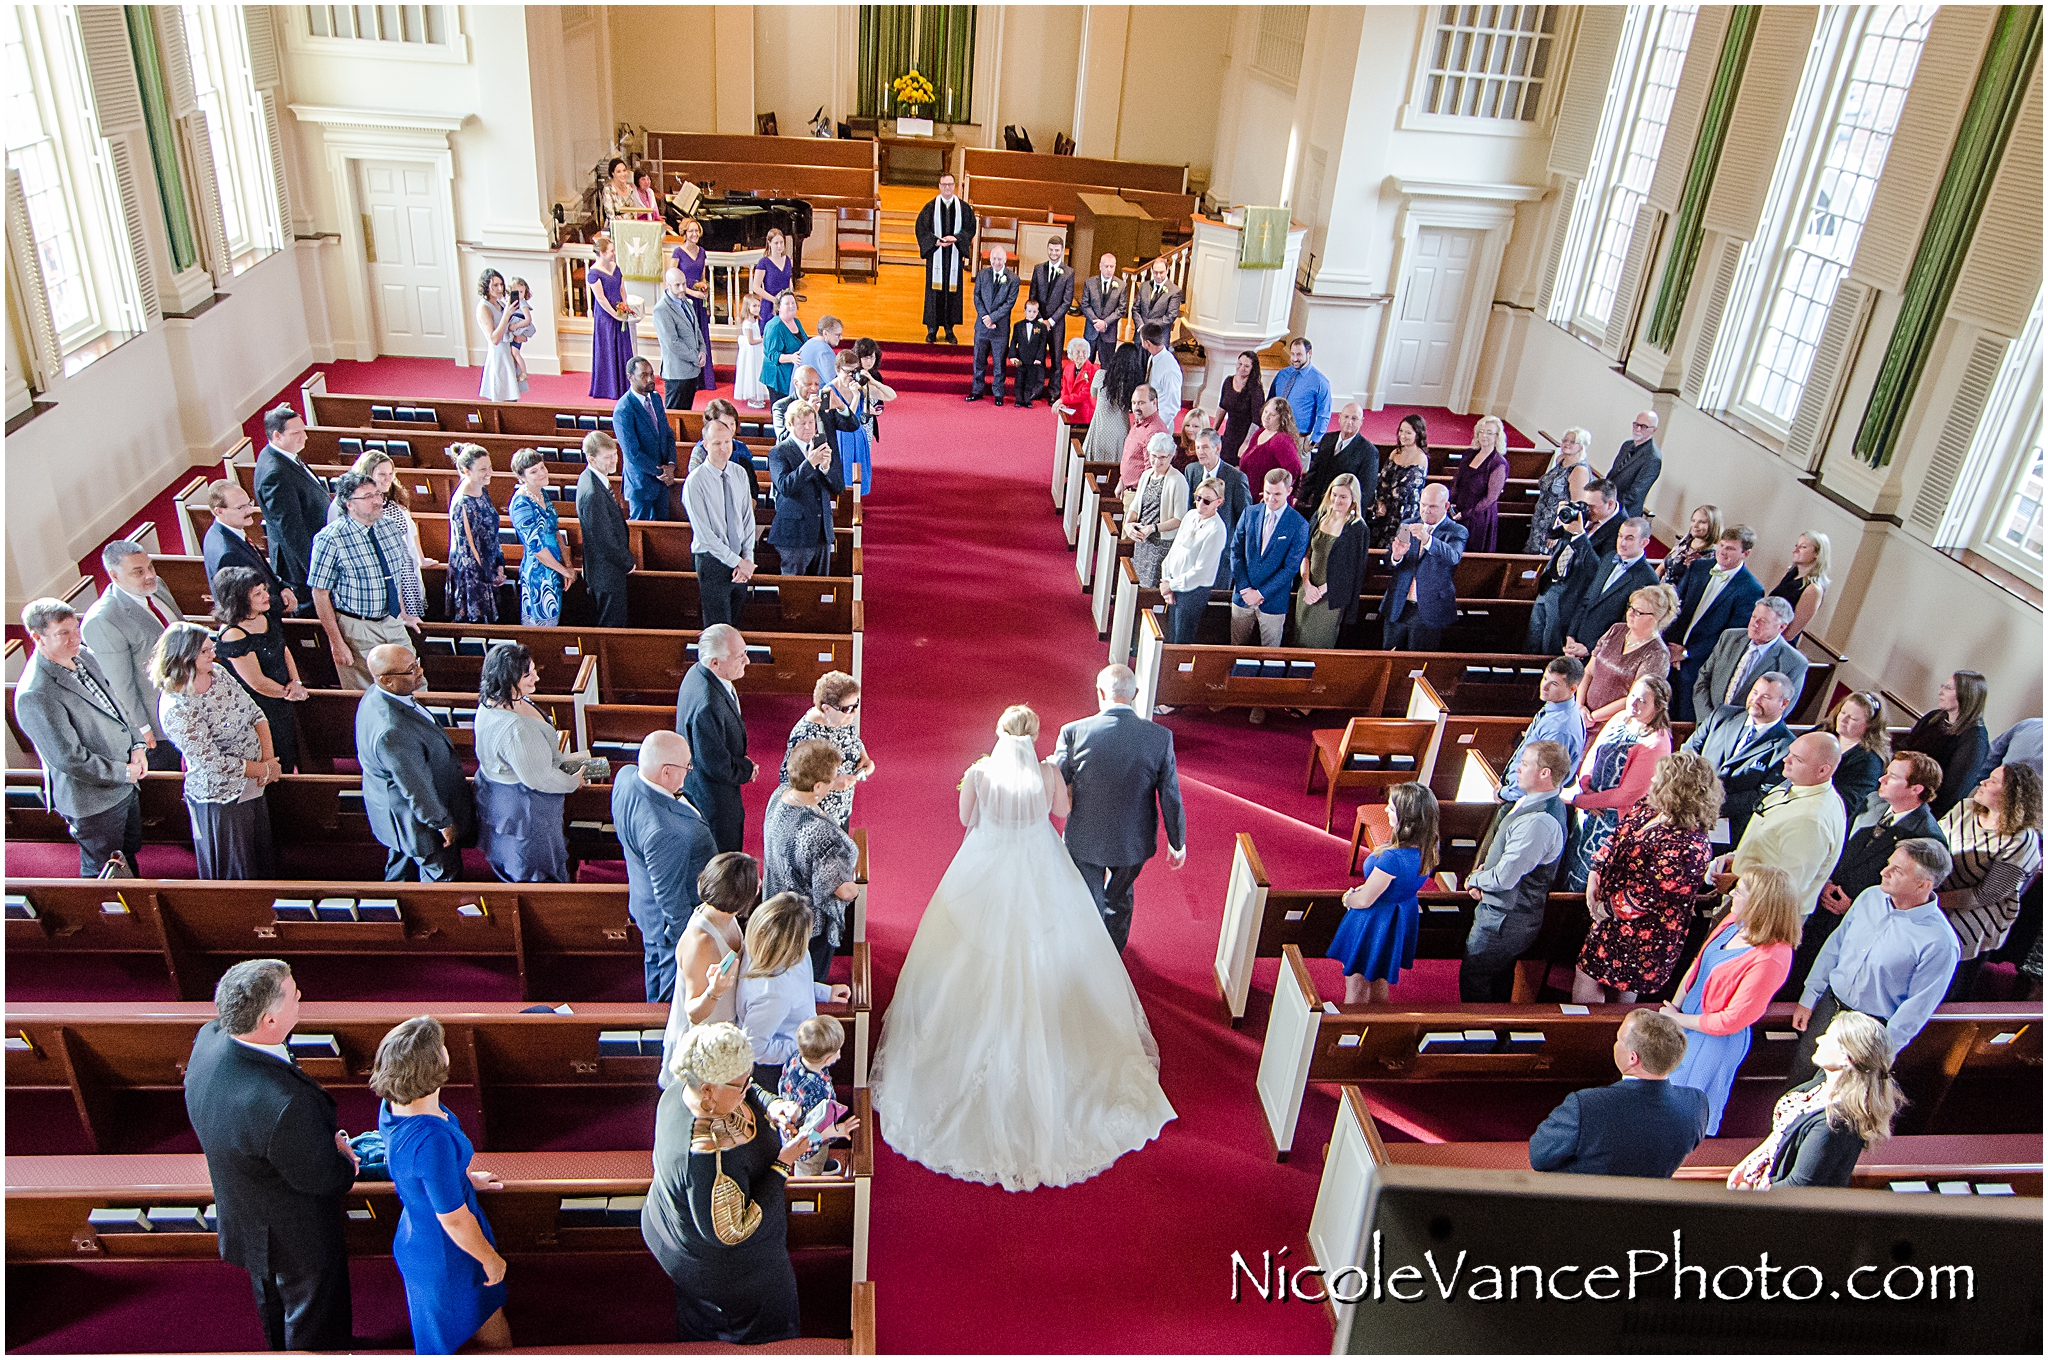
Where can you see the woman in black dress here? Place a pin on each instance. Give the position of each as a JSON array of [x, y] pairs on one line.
[[1858, 723], [716, 1216], [252, 645], [1805, 583], [1953, 733], [1244, 396], [1820, 1127]]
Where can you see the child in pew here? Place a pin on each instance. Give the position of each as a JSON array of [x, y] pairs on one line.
[[1383, 916], [807, 1083]]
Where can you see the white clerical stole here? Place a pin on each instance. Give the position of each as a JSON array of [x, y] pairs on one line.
[[947, 217]]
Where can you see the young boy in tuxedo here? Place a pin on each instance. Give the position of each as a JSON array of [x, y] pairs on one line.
[[1029, 339]]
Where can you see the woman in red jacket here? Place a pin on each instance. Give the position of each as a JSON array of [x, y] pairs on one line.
[[1725, 991], [1077, 395]]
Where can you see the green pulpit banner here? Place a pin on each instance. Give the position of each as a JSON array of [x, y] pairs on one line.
[[1262, 244]]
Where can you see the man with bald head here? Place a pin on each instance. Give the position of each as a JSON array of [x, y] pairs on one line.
[[419, 804], [1103, 303], [1637, 464], [1799, 826], [1344, 449], [680, 329], [708, 713], [668, 842], [1421, 600], [995, 300], [804, 386]]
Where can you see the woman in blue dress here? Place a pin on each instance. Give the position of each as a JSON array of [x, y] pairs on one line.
[[454, 1276], [1746, 960], [476, 560], [611, 322], [1382, 918], [542, 574], [695, 264], [850, 414]]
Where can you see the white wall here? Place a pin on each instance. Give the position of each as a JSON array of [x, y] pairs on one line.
[[795, 50], [663, 67], [1040, 62], [1173, 71], [171, 399], [1902, 614]]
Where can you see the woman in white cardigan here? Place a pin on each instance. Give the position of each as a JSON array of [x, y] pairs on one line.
[[1154, 508], [521, 774]]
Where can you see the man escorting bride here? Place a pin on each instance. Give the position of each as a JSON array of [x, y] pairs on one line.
[[1016, 1052]]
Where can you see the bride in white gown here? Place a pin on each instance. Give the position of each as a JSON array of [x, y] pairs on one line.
[[1016, 1052]]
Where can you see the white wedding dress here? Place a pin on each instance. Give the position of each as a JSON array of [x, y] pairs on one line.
[[1016, 1052]]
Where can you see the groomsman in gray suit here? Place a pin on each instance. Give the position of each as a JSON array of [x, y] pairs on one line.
[[1119, 769], [91, 751], [122, 628], [1102, 310]]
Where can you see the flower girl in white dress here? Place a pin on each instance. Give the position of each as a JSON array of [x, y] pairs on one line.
[[746, 378], [1016, 1052]]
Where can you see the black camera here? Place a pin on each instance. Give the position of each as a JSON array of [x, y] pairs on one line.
[[1570, 512]]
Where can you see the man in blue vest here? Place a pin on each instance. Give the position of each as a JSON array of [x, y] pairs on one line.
[[1512, 884]]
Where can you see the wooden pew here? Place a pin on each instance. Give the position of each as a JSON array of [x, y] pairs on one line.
[[1259, 921], [1524, 465], [1310, 1040], [500, 1057], [634, 665], [1368, 684], [1083, 170], [745, 148], [462, 417]]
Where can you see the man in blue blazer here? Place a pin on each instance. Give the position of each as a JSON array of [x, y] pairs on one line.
[[1237, 492], [1746, 745], [419, 804], [1422, 599], [1265, 555], [1640, 1126], [668, 842], [1120, 770], [640, 424], [1714, 595], [708, 713], [807, 479]]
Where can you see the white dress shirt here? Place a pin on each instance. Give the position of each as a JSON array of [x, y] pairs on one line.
[[1196, 553]]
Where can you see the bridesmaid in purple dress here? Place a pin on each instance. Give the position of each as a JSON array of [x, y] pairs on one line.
[[772, 273], [690, 258], [611, 326], [1476, 488]]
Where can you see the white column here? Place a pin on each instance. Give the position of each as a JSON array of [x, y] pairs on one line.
[[1099, 90]]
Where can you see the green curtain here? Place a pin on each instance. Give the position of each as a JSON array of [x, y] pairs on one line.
[[163, 141], [2001, 88], [937, 40], [1689, 226], [888, 48]]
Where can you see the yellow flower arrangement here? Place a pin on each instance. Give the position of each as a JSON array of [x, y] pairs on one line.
[[913, 89]]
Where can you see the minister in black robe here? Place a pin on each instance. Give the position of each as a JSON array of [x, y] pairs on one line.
[[945, 238]]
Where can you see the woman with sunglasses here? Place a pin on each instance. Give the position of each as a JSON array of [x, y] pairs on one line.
[[833, 716]]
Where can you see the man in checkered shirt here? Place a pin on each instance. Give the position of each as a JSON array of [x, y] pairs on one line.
[[354, 579]]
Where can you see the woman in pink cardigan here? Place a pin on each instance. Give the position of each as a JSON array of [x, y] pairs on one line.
[[1616, 773], [1725, 991]]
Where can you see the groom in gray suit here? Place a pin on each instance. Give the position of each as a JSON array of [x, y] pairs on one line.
[[1119, 769]]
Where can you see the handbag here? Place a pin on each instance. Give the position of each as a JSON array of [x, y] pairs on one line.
[[733, 1216]]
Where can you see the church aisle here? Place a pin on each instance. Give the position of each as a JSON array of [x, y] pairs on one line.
[[971, 605]]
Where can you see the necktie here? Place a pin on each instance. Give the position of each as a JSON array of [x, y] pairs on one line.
[[1735, 681], [653, 411], [156, 611], [391, 605], [1272, 523]]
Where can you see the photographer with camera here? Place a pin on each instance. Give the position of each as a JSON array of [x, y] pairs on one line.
[[848, 411], [1584, 530]]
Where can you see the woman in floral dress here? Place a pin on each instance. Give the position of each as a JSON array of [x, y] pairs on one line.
[[1644, 881]]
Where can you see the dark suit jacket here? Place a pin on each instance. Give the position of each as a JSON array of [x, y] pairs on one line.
[[803, 496], [1730, 609], [646, 445], [294, 505], [268, 1132], [1599, 610], [1101, 302], [1029, 341], [667, 845], [997, 300], [1710, 683], [1121, 773], [1605, 537], [607, 547], [1568, 580], [1431, 568], [1746, 768], [707, 716], [1634, 472], [1237, 496], [1156, 309], [223, 547], [1054, 300], [1334, 456], [1345, 572], [412, 781], [1632, 1128], [1867, 848]]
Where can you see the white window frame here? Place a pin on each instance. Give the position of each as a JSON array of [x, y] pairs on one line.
[[1802, 158], [55, 52], [2007, 435], [217, 44], [1620, 115], [1415, 114], [453, 49]]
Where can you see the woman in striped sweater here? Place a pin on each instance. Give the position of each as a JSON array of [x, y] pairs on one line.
[[1994, 836]]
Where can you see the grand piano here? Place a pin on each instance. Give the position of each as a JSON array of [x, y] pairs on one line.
[[738, 222]]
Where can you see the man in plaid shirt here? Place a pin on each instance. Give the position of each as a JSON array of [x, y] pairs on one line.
[[354, 579]]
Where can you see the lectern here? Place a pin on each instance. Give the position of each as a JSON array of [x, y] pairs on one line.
[[1106, 224]]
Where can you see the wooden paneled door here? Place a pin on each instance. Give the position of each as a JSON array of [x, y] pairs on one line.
[[403, 238]]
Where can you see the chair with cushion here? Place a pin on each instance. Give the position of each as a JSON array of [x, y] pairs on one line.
[[856, 246], [1367, 753]]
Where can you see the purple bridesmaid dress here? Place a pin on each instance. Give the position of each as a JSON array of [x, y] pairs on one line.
[[693, 273], [777, 282], [611, 342]]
